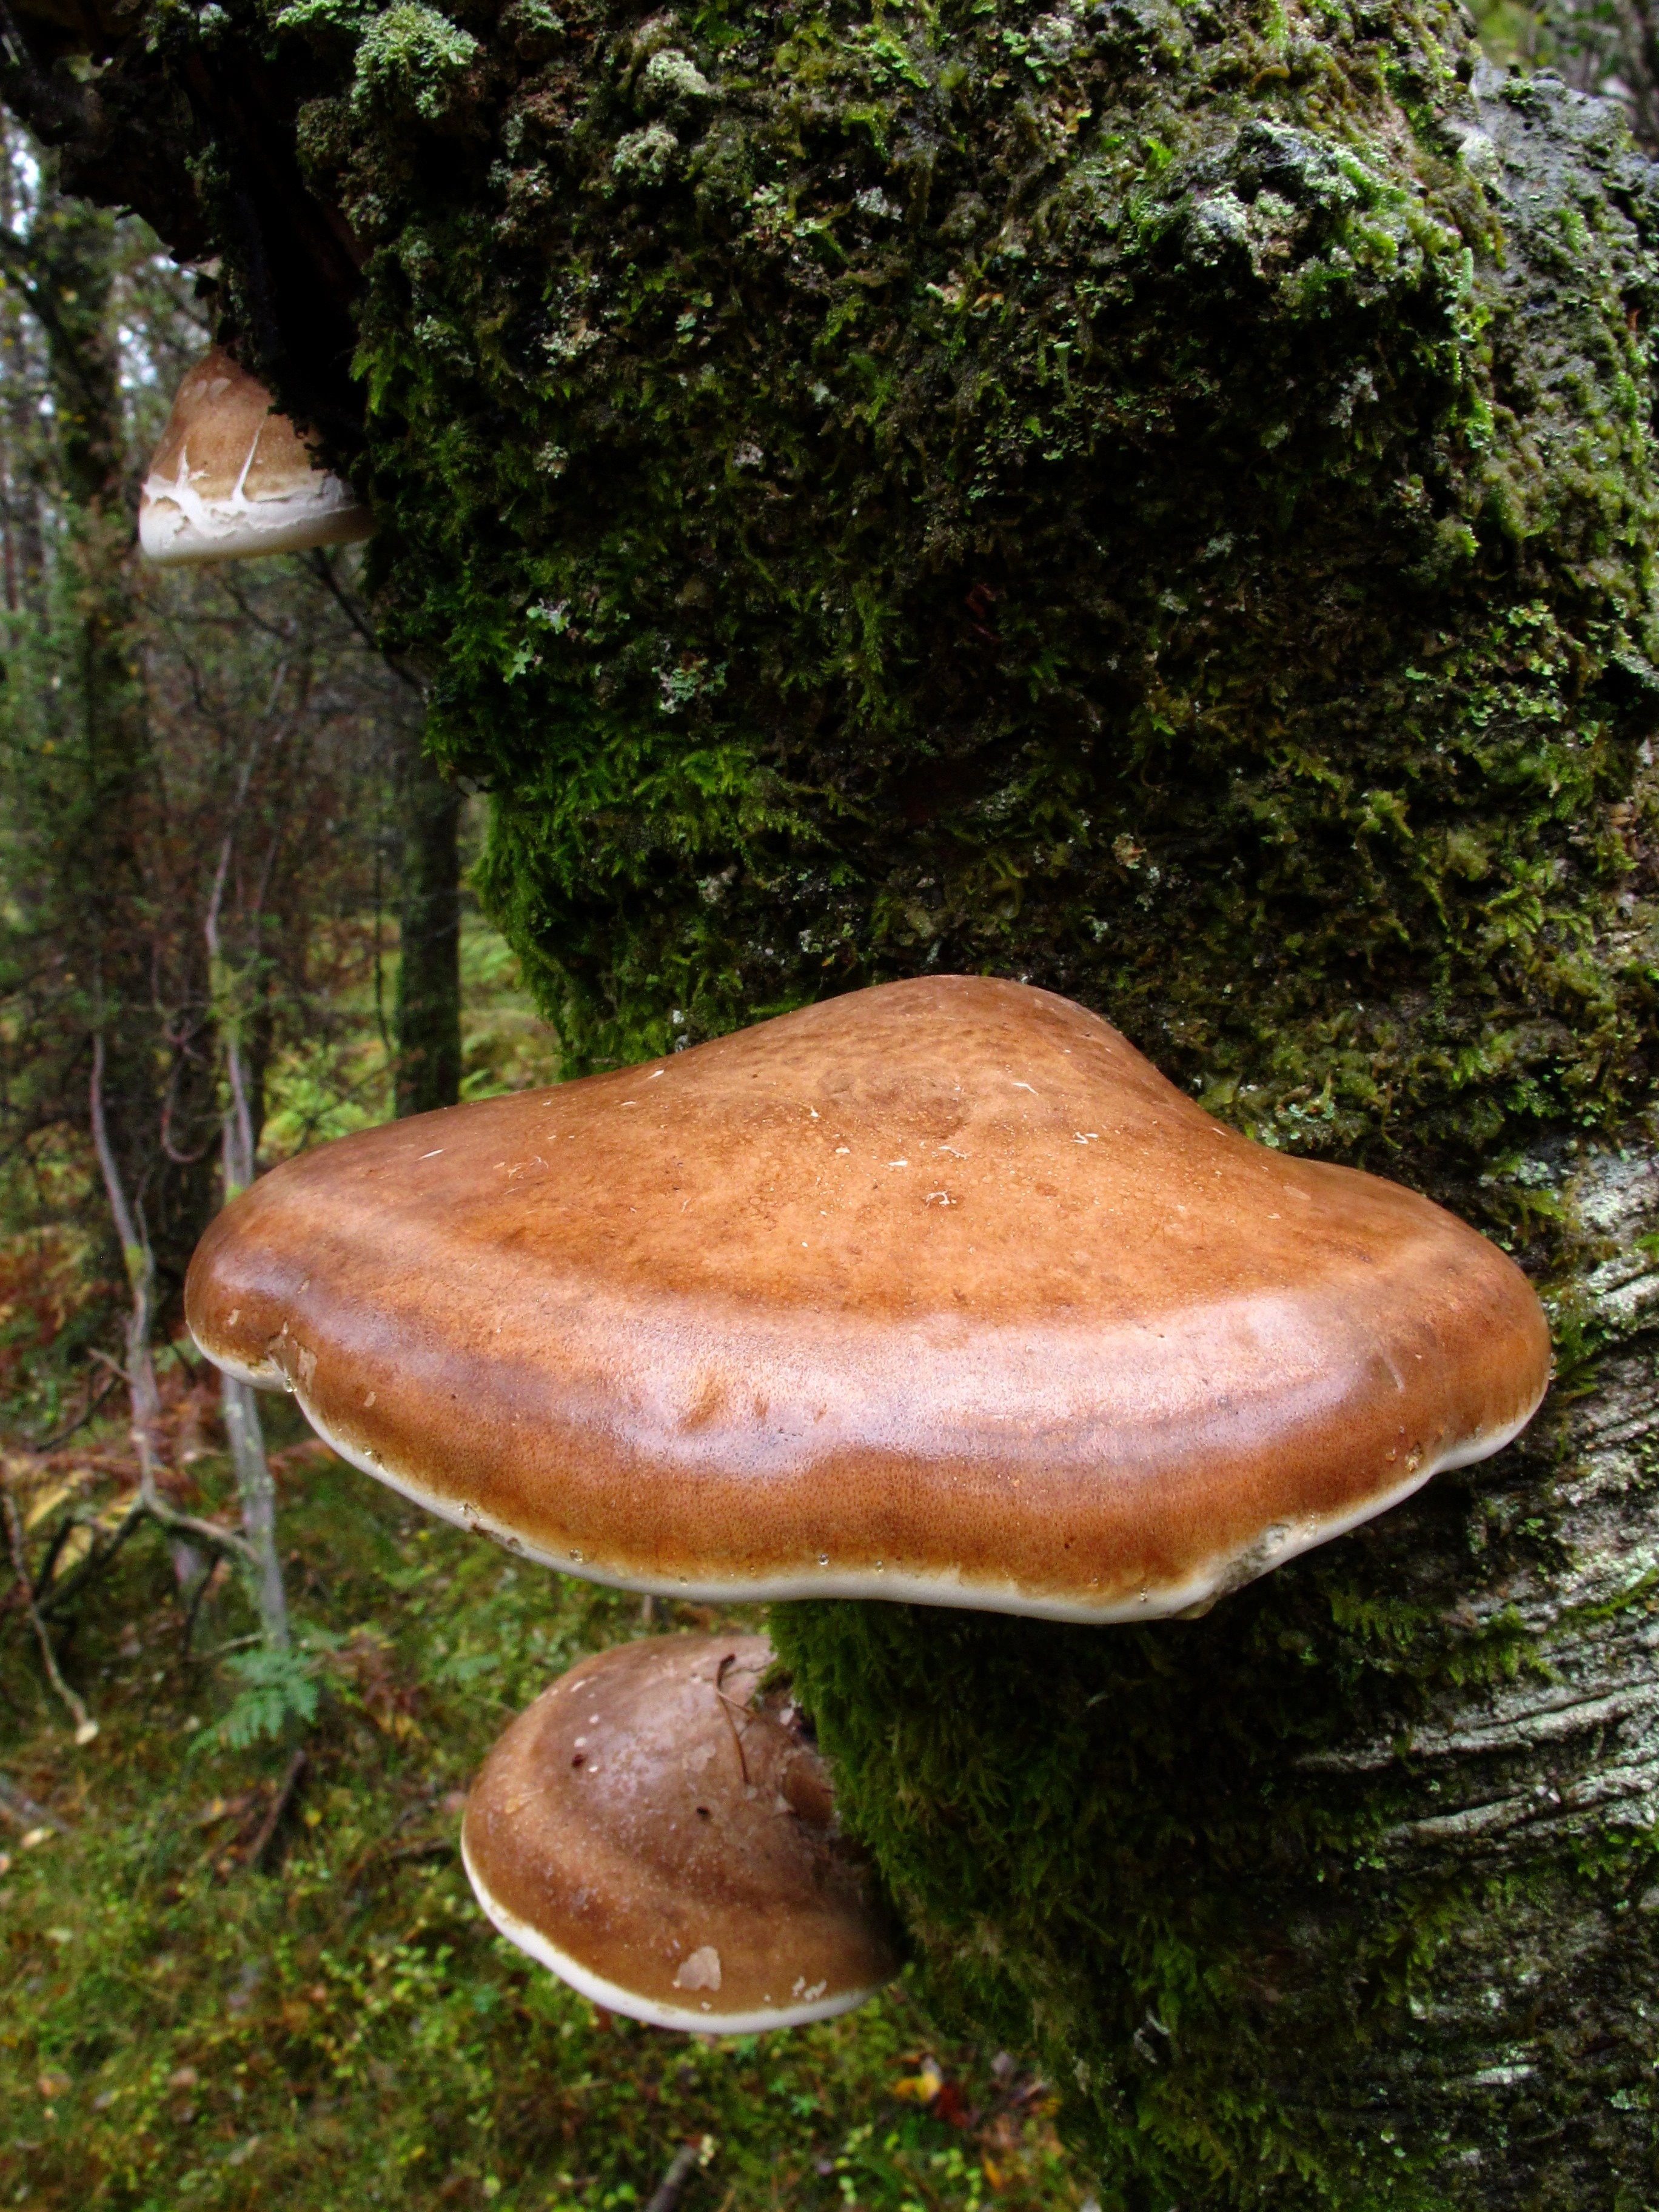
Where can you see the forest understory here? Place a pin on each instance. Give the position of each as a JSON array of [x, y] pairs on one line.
[[240, 1963], [224, 1986]]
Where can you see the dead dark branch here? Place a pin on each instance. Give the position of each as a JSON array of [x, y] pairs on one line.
[[287, 1791]]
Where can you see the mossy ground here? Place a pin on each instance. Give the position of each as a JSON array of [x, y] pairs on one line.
[[342, 2029]]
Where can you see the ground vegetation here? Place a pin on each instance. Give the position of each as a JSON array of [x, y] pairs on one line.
[[225, 1981]]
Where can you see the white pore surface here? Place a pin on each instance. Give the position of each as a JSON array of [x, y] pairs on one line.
[[177, 523], [701, 2020]]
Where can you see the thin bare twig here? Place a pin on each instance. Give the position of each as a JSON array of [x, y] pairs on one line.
[[279, 1805], [671, 2187], [56, 1599], [204, 1583], [728, 1706], [85, 1726], [139, 1371], [156, 1508], [40, 1580], [323, 568], [94, 1401]]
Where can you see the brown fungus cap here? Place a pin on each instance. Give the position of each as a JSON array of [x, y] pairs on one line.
[[935, 1292], [231, 478], [662, 1836]]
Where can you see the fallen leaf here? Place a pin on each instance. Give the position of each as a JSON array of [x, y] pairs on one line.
[[924, 2085]]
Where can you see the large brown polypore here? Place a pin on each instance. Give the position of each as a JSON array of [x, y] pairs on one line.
[[231, 477], [935, 1292], [664, 1837]]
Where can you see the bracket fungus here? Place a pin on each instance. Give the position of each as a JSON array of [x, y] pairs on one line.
[[232, 477], [658, 1831], [935, 1292]]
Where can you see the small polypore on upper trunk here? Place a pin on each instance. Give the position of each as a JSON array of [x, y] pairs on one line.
[[232, 477]]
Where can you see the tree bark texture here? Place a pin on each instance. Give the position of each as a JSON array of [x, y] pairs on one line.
[[427, 1015], [1158, 503]]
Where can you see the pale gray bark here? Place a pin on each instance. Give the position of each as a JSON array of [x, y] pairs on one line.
[[243, 1428], [257, 1493], [1531, 1805]]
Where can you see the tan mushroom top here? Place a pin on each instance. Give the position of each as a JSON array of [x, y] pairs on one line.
[[937, 1291], [231, 478], [664, 1837]]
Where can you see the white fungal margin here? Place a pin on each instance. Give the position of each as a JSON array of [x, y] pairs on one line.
[[699, 2020], [177, 524], [1219, 1576]]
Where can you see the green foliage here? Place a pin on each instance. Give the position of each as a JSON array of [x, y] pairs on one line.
[[82, 945], [411, 56], [274, 1688], [1062, 493]]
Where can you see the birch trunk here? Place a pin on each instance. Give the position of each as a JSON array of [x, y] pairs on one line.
[[239, 1161]]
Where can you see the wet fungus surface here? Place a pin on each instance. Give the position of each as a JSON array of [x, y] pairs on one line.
[[232, 477], [936, 1291], [659, 1830]]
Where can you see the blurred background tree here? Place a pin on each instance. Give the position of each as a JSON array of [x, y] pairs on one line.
[[1605, 47], [217, 817], [227, 739]]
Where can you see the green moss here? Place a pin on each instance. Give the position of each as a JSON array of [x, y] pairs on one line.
[[337, 2027], [411, 54], [1155, 1856], [1063, 493]]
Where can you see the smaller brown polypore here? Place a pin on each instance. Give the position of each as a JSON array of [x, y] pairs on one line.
[[231, 477], [660, 1832]]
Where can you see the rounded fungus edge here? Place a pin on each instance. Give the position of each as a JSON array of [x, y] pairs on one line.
[[232, 479], [658, 1831], [937, 1291]]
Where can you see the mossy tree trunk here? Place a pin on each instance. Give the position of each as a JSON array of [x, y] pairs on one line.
[[1158, 503]]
